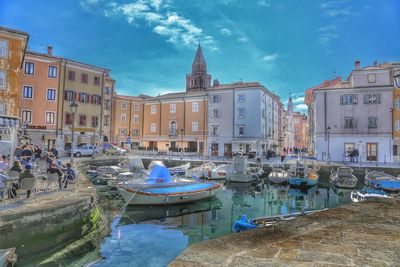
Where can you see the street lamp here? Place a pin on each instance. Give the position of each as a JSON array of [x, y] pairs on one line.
[[328, 130], [181, 143], [73, 107]]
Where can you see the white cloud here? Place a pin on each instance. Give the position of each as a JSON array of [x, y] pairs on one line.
[[263, 3], [332, 27], [326, 37], [297, 100], [225, 31], [301, 107], [270, 57], [162, 19], [242, 39], [338, 12]]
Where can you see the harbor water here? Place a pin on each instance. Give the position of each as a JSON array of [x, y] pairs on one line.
[[154, 236]]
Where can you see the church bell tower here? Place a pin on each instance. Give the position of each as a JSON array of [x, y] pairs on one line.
[[199, 79]]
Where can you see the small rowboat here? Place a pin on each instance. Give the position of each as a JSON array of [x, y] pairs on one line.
[[302, 176], [160, 189], [368, 193], [343, 177], [7, 257], [380, 180], [278, 176]]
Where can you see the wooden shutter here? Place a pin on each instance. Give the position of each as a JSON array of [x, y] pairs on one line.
[[355, 99], [365, 99], [378, 98], [65, 95], [341, 100]]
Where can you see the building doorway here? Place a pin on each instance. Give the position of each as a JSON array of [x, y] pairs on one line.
[[214, 149], [201, 148], [372, 151], [152, 145], [227, 150], [192, 146]]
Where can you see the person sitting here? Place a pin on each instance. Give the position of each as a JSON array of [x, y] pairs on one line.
[[70, 175], [54, 169], [27, 174], [16, 167]]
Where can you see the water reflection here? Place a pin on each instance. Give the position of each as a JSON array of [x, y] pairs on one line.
[[154, 236]]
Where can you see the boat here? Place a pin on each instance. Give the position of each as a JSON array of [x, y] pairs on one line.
[[200, 171], [278, 176], [155, 162], [124, 177], [368, 193], [7, 257], [179, 170], [343, 177], [161, 189], [382, 180], [244, 224], [218, 173], [301, 175]]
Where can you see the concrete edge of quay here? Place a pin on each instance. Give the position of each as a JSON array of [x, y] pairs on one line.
[[356, 234]]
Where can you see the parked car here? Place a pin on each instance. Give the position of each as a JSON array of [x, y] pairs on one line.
[[84, 150], [115, 150]]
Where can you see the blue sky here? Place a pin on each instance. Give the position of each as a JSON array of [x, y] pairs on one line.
[[149, 45]]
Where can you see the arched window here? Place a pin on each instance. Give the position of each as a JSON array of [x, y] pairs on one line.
[[172, 127]]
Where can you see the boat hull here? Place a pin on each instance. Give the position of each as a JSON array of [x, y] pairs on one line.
[[347, 183], [385, 185], [297, 181], [278, 177], [142, 197], [240, 178]]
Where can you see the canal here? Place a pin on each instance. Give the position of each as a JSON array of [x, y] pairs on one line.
[[154, 236]]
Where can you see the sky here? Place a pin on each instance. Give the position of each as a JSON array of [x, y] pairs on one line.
[[149, 45]]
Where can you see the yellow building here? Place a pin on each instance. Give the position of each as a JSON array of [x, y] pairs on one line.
[[86, 84], [13, 45]]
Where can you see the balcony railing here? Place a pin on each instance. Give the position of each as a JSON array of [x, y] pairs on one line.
[[172, 132]]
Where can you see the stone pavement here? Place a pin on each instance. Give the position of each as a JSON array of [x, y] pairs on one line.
[[361, 234]]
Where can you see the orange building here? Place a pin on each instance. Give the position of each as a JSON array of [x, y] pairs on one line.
[[39, 93], [300, 130], [13, 45]]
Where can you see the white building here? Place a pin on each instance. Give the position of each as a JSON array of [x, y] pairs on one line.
[[354, 114], [241, 119]]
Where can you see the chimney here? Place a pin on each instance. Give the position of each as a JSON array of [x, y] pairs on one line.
[[49, 50], [357, 64]]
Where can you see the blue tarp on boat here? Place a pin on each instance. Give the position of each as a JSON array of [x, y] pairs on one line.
[[159, 174]]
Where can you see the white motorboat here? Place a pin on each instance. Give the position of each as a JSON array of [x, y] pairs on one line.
[[240, 172], [200, 171], [343, 177], [160, 189], [367, 193], [218, 173], [179, 170], [278, 176]]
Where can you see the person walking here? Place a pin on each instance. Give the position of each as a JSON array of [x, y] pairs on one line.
[[282, 154], [355, 154]]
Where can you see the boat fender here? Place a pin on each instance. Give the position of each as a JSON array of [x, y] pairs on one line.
[[159, 180]]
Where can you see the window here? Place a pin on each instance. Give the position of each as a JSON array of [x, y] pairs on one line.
[[372, 99], [214, 131], [214, 149], [348, 99], [68, 119], [106, 120], [215, 113], [135, 132], [397, 125], [348, 122], [123, 131], [153, 128], [123, 117], [241, 130], [3, 48], [107, 104], [241, 98], [51, 94], [153, 110], [71, 75], [50, 117], [195, 126], [397, 103], [172, 108], [26, 116], [28, 92], [135, 119], [69, 95], [96, 80], [96, 99], [263, 115], [2, 108], [195, 107], [241, 113], [136, 107], [371, 78], [29, 68], [107, 90], [2, 80], [124, 105], [83, 98], [348, 148], [52, 72], [372, 122], [82, 120], [84, 78], [95, 121], [216, 99]]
